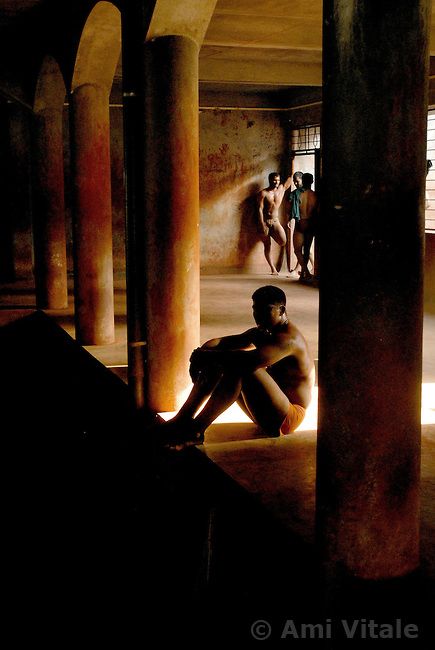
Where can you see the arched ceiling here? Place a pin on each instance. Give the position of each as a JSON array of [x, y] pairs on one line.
[[260, 43]]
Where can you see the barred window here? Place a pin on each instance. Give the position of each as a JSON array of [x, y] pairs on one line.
[[306, 139]]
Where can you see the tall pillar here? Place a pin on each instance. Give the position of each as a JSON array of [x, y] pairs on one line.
[[7, 266], [15, 208], [370, 329], [93, 259], [172, 216], [135, 171], [49, 239]]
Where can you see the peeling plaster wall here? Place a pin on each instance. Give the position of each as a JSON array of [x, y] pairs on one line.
[[238, 149]]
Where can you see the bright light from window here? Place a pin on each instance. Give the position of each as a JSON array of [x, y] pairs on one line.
[[428, 403]]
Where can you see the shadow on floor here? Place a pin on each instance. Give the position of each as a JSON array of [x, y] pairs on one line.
[[107, 538]]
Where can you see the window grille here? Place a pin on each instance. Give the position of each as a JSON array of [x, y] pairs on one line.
[[306, 140]]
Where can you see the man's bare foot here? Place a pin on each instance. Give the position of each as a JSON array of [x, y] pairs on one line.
[[177, 434], [274, 272], [306, 277]]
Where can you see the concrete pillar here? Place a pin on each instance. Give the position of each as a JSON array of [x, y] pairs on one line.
[[49, 239], [370, 332], [15, 210], [93, 263], [135, 170], [172, 216], [7, 266]]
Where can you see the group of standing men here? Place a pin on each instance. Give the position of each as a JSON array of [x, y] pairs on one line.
[[304, 206]]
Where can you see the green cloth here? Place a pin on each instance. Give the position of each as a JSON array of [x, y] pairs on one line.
[[295, 203]]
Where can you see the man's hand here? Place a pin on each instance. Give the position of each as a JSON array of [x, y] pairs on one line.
[[194, 368], [263, 229], [194, 357]]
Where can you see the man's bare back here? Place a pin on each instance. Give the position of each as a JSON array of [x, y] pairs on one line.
[[294, 373], [308, 204], [305, 226]]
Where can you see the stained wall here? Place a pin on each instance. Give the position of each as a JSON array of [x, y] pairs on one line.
[[238, 149]]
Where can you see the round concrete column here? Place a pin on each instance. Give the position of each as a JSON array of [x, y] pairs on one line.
[[370, 331], [93, 263], [7, 266], [172, 216], [49, 239]]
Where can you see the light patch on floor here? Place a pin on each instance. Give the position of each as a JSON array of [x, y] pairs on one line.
[[235, 414], [428, 403]]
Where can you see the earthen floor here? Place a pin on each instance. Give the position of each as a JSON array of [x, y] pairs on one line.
[[279, 472]]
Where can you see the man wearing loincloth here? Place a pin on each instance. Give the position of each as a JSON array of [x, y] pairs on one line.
[[268, 370], [269, 225]]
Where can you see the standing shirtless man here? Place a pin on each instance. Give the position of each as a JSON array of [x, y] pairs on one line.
[[305, 225], [268, 370], [269, 201]]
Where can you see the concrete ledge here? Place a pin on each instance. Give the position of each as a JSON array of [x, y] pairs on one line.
[[279, 472]]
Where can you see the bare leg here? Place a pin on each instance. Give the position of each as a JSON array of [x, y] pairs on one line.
[[185, 430], [226, 393], [298, 242], [201, 390], [165, 432], [308, 240], [288, 248], [241, 402], [277, 233], [265, 400], [302, 240], [267, 254], [280, 260]]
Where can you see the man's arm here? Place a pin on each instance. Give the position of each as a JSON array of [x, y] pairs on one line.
[[245, 360], [241, 341], [262, 225], [288, 183]]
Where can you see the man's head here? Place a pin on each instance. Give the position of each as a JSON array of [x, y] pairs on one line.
[[307, 180], [268, 306], [274, 179], [297, 179]]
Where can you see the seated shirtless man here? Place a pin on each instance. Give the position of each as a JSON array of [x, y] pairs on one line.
[[268, 370], [269, 201]]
